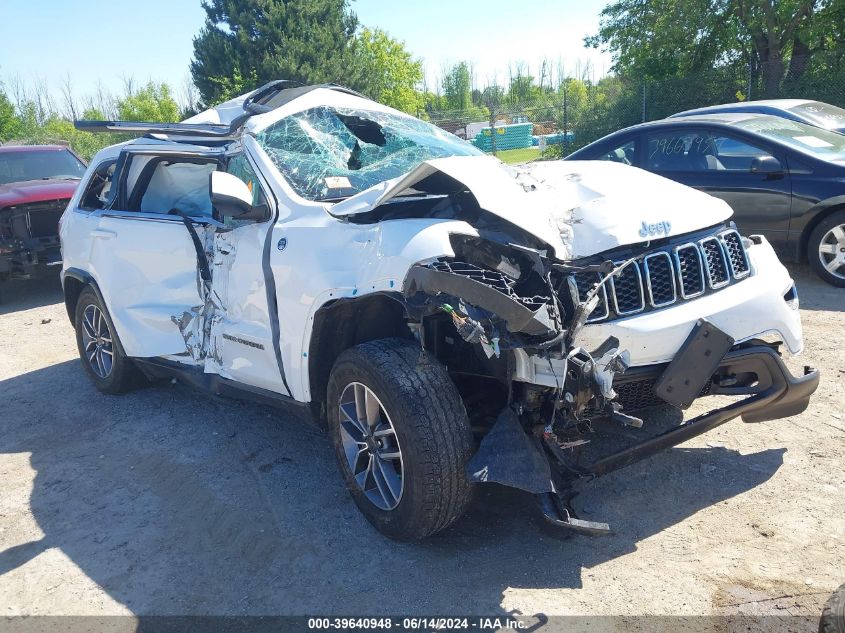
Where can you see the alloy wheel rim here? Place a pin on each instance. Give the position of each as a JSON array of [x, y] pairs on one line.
[[371, 446], [97, 341], [832, 251]]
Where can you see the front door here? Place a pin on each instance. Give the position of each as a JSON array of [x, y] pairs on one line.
[[244, 331]]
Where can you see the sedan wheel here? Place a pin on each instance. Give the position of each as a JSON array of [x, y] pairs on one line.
[[832, 251], [826, 248]]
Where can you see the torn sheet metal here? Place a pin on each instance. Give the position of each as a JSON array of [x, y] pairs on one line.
[[507, 456]]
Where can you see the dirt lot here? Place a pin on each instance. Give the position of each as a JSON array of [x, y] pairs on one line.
[[168, 502]]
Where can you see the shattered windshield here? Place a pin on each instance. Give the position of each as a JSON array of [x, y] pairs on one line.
[[329, 153]]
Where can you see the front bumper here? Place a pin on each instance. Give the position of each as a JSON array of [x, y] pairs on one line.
[[771, 392], [750, 309]]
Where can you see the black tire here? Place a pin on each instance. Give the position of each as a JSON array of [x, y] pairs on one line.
[[814, 243], [431, 426], [122, 375], [833, 615]]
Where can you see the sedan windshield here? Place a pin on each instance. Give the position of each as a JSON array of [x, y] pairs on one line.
[[331, 153], [21, 165], [806, 138]]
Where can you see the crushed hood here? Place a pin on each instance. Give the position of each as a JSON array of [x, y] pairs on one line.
[[578, 208]]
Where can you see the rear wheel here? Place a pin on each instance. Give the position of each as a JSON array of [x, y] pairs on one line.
[[108, 368], [826, 249], [401, 436]]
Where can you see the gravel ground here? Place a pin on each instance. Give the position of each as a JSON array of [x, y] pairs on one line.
[[166, 502]]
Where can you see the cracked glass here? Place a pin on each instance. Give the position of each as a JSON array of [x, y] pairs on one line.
[[332, 153]]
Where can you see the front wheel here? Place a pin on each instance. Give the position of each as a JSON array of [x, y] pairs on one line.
[[826, 249], [402, 437]]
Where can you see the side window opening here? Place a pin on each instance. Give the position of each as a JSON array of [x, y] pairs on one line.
[[239, 166], [99, 189], [165, 184], [700, 151]]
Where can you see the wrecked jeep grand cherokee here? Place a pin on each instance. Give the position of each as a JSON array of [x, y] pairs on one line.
[[449, 319]]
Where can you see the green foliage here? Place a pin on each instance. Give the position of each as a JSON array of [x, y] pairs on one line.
[[384, 70], [255, 41], [8, 121], [457, 87], [153, 102], [781, 41]]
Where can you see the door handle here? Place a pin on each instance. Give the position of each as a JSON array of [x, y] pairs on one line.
[[103, 234]]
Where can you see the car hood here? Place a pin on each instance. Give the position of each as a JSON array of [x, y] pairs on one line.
[[578, 208], [36, 191]]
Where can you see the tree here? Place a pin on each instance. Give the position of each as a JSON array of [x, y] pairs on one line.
[[8, 121], [457, 86], [384, 70], [257, 41], [659, 39], [152, 102]]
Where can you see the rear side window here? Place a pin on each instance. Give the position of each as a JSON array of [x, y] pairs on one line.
[[99, 189]]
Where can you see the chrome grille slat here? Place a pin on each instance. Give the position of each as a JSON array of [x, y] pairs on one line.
[[660, 279], [715, 262], [668, 275], [690, 267], [737, 257], [626, 289]]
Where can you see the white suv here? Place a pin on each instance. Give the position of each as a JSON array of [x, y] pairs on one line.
[[448, 318]]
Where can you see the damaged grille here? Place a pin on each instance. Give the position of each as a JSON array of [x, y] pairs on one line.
[[32, 220], [491, 278], [639, 394], [666, 276], [584, 283]]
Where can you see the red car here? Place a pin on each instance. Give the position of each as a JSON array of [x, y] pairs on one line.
[[36, 183]]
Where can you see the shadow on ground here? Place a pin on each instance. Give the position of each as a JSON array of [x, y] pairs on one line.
[[174, 503], [815, 294], [33, 293]]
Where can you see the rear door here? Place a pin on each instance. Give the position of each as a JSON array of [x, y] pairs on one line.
[[144, 257], [719, 163]]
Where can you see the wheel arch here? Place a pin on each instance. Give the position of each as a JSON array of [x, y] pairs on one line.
[[74, 282], [831, 207], [344, 323]]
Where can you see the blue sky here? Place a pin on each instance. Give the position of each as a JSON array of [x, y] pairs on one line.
[[98, 40]]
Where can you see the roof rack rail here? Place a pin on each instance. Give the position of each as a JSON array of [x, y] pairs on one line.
[[268, 97], [151, 127]]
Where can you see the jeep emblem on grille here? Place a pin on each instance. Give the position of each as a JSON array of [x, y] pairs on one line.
[[659, 228]]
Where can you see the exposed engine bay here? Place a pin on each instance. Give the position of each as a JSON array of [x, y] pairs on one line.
[[505, 318]]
